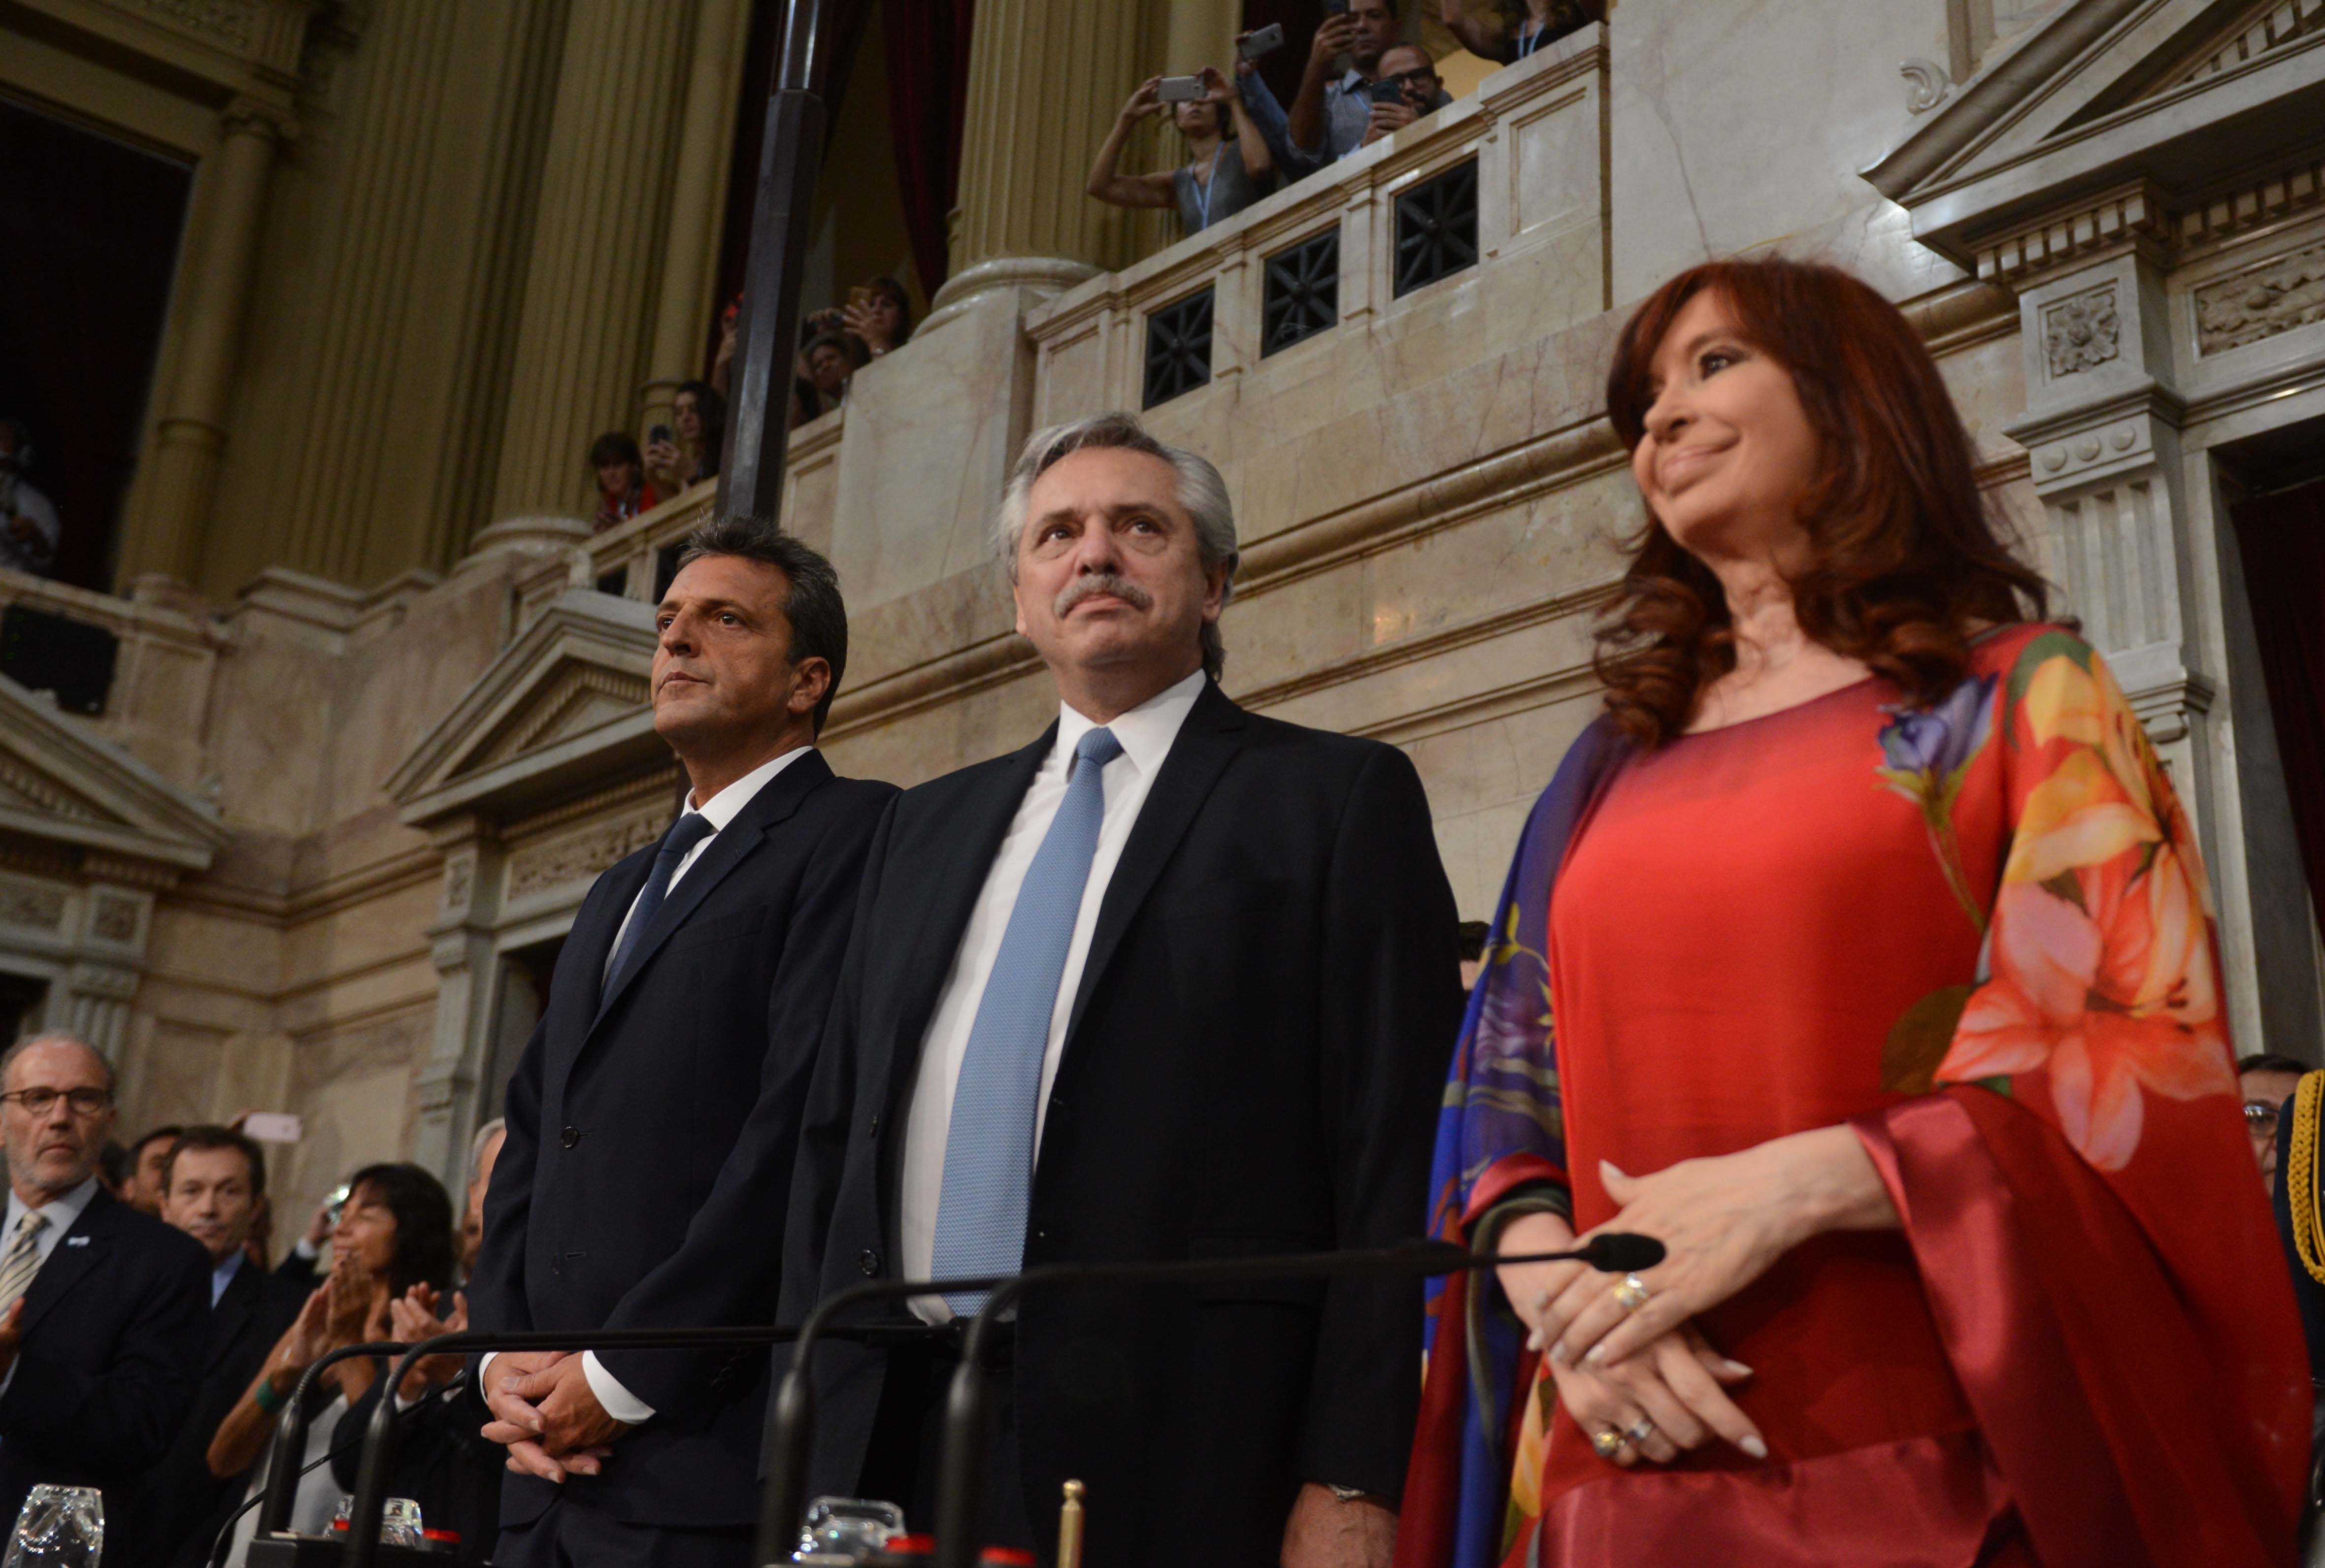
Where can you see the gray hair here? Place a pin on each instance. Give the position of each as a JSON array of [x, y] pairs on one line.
[[56, 1037], [1203, 494], [484, 1135]]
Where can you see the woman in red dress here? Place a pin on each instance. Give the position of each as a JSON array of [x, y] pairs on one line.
[[1885, 994]]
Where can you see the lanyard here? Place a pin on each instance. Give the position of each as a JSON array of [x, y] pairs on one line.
[[1526, 46], [1211, 183]]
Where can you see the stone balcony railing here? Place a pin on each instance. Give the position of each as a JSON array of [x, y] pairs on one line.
[[1288, 344]]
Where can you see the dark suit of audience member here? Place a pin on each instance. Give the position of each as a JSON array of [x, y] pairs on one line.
[[653, 1121], [186, 1504], [111, 1350], [1244, 1044]]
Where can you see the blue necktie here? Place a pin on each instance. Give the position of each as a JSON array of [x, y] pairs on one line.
[[988, 1165], [688, 831]]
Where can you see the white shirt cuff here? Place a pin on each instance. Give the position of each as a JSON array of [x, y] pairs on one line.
[[484, 1370], [618, 1401], [306, 1249]]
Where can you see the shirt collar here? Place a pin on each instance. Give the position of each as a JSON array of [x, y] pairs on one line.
[[223, 1275], [62, 1213], [1353, 81], [1146, 731], [727, 805]]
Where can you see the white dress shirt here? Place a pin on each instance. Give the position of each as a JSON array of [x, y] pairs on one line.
[[223, 1275], [721, 809], [1146, 732], [62, 1215]]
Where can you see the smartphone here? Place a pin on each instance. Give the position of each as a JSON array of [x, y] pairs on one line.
[[662, 433], [1179, 90], [1388, 92], [273, 1127], [859, 294], [1266, 40]]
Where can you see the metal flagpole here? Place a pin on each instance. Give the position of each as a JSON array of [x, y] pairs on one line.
[[791, 152]]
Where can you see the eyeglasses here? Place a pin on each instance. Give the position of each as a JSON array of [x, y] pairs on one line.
[[1419, 76], [2260, 1118], [40, 1101]]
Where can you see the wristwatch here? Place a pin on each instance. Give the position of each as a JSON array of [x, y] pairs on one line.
[[1347, 1494]]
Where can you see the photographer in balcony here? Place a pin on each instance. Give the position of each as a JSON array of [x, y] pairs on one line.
[[1509, 31], [1229, 166], [1331, 112], [699, 414], [1412, 74]]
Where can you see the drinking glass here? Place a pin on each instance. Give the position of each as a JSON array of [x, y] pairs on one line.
[[399, 1523], [852, 1527], [62, 1527]]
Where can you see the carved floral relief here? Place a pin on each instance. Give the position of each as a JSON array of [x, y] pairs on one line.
[[2081, 331]]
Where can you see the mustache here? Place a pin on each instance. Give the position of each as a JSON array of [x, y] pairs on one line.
[[1081, 588]]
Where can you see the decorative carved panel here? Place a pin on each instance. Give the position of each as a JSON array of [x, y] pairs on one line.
[[2081, 332], [37, 905], [583, 697], [2274, 297], [581, 854], [115, 919]]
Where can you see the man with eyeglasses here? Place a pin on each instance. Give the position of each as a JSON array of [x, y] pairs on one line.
[[102, 1309], [1419, 91], [2267, 1080]]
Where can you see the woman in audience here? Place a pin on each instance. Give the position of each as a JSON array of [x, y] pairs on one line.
[[1229, 166], [394, 1238], [1509, 31], [699, 440], [1886, 999], [622, 490], [879, 316]]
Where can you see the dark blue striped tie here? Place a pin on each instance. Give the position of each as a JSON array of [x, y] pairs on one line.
[[685, 833]]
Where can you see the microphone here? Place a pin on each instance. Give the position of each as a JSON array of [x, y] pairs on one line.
[[1615, 1252]]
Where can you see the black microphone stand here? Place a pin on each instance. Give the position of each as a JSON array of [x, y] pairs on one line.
[[961, 1481]]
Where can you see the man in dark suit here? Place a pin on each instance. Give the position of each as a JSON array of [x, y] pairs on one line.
[[1175, 980], [653, 1121], [102, 1308], [213, 1188]]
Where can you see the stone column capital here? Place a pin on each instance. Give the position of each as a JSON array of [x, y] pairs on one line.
[[249, 117]]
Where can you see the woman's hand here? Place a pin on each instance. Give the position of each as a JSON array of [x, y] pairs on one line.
[[347, 1301], [660, 463], [1532, 1287], [1147, 100], [413, 1318], [1663, 1400], [1723, 1224], [869, 327], [1217, 88], [308, 1335]]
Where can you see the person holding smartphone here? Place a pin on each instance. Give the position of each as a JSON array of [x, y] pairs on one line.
[[1332, 110], [1407, 87], [1229, 166]]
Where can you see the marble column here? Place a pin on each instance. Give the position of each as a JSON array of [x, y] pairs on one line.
[[461, 946], [686, 307], [1045, 79], [598, 246], [164, 530]]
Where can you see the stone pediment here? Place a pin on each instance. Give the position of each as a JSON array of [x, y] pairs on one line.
[[61, 786], [565, 708], [2114, 120]]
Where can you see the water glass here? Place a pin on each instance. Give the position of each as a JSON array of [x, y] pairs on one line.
[[850, 1528], [62, 1527], [399, 1523]]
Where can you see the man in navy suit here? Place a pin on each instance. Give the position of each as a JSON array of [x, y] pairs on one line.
[[653, 1121], [102, 1309]]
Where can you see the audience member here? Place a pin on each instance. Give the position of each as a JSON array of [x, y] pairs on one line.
[[102, 1308], [483, 1150], [2267, 1082], [806, 404], [699, 414], [722, 944], [1241, 1042], [1508, 31], [142, 1189], [28, 526], [1210, 186], [1419, 91], [722, 363], [1331, 113], [113, 1169], [830, 363], [879, 316], [394, 1236], [215, 1191], [622, 490]]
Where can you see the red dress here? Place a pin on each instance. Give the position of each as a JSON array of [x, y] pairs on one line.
[[1821, 917]]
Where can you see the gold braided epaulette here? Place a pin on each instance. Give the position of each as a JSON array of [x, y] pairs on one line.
[[2301, 1179]]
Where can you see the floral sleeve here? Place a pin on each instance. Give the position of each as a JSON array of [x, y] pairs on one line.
[[2098, 991]]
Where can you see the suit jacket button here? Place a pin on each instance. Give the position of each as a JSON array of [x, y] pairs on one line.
[[570, 1137], [869, 1260]]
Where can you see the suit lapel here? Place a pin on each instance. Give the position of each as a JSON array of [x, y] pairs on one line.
[[232, 1313], [1205, 744], [775, 801], [88, 1244]]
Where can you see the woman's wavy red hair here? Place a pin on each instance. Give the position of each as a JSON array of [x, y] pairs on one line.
[[1905, 560]]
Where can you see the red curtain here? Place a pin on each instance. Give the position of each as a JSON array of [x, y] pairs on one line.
[[928, 89], [2283, 539]]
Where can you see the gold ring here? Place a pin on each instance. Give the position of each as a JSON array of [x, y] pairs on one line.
[[1632, 1292], [1639, 1431], [1609, 1443]]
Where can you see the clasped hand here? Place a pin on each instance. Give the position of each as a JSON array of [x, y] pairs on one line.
[[547, 1415]]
